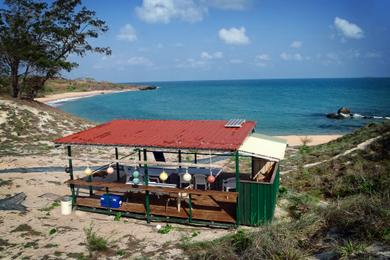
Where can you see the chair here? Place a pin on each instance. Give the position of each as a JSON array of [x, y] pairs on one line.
[[154, 179], [183, 196], [229, 184], [200, 180], [182, 181]]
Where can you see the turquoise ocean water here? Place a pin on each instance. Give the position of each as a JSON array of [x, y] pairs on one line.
[[280, 107]]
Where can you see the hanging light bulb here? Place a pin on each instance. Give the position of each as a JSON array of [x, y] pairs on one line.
[[136, 174], [110, 170], [187, 176], [88, 171], [135, 181], [163, 176], [210, 179]]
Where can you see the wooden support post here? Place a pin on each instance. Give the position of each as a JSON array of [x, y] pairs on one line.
[[146, 180], [139, 157], [90, 187], [179, 155], [190, 207], [117, 164], [196, 158], [71, 175], [237, 158]]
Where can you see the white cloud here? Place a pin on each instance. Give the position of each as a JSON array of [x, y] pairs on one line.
[[139, 61], [229, 4], [296, 44], [235, 61], [163, 11], [292, 56], [264, 57], [191, 63], [373, 55], [127, 33], [261, 64], [332, 56], [348, 29], [160, 45], [234, 36], [207, 56]]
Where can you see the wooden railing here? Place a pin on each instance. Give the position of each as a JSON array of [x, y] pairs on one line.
[[113, 185]]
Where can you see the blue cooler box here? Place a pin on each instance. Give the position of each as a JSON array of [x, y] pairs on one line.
[[111, 201]]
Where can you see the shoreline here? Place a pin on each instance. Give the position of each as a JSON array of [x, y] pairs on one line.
[[296, 140], [68, 96], [292, 140]]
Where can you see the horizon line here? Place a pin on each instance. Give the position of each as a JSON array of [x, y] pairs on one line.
[[363, 77]]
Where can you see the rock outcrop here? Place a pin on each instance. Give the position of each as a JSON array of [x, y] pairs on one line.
[[342, 113]]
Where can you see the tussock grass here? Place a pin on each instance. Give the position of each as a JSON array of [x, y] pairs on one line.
[[94, 241], [339, 206]]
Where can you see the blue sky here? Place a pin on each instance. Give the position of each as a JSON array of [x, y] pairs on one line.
[[168, 40]]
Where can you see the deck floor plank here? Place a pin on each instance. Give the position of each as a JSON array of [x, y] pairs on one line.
[[220, 209]]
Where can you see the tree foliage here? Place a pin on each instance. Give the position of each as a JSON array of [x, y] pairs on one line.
[[36, 40]]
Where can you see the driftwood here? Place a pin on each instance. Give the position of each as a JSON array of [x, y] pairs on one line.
[[13, 202]]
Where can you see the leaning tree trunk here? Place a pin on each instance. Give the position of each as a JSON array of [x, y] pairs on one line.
[[14, 79]]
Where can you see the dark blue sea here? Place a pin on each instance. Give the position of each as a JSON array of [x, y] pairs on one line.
[[279, 106]]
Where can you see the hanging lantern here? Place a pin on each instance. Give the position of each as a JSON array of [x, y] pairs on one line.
[[136, 174], [135, 181], [187, 176], [163, 176], [210, 179], [88, 171], [110, 170]]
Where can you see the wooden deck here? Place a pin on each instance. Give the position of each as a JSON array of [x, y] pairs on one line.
[[213, 206]]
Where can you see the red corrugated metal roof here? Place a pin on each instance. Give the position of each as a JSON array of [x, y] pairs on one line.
[[181, 134]]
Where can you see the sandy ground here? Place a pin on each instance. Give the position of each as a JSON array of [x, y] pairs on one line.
[[34, 175], [133, 238], [294, 140], [77, 95]]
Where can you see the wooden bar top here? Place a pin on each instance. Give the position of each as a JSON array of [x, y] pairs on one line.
[[115, 185]]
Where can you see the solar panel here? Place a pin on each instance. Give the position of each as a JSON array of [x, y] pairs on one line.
[[235, 123]]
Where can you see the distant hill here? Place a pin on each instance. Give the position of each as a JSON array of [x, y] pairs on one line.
[[61, 85]]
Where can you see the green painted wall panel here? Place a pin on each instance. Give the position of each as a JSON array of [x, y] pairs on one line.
[[257, 201]]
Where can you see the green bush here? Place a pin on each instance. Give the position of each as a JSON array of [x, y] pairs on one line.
[[94, 241], [351, 249], [361, 217], [165, 229]]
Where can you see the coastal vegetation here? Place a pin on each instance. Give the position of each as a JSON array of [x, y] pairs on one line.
[[37, 38], [332, 200], [62, 85], [28, 127], [335, 209]]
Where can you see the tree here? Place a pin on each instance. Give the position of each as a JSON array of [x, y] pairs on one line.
[[36, 40]]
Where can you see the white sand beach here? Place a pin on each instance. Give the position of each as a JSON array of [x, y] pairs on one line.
[[56, 98], [295, 140]]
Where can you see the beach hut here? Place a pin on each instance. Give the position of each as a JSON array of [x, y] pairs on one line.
[[200, 172]]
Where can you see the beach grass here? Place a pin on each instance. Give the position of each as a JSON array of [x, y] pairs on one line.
[[334, 209]]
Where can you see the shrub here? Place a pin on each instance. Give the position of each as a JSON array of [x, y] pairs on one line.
[[165, 229], [94, 241], [118, 216], [360, 217], [351, 249], [273, 242]]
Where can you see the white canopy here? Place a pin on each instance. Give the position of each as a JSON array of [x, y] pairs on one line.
[[263, 146]]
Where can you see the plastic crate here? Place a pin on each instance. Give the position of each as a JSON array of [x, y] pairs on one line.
[[111, 201]]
